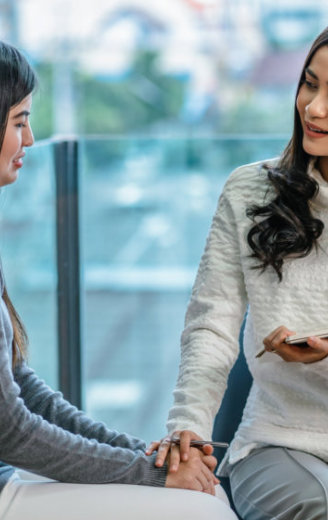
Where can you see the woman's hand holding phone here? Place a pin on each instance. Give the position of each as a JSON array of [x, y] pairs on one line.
[[309, 349]]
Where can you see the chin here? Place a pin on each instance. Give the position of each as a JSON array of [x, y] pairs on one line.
[[313, 149], [8, 179]]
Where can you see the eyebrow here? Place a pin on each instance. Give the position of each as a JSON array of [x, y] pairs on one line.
[[309, 71], [20, 114], [312, 74]]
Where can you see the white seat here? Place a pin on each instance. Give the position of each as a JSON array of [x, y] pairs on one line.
[[34, 498]]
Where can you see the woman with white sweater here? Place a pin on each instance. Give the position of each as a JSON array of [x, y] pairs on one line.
[[267, 254]]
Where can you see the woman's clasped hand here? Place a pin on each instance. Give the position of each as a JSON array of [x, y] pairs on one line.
[[195, 472], [176, 454]]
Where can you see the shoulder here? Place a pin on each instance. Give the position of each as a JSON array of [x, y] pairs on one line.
[[249, 181]]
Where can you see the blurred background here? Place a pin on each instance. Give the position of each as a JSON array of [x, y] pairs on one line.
[[165, 99]]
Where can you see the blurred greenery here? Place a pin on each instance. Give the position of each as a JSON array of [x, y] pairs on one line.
[[260, 111], [42, 113], [132, 103], [106, 106], [148, 101]]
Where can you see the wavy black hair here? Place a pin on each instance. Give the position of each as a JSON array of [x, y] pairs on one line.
[[286, 226], [17, 80]]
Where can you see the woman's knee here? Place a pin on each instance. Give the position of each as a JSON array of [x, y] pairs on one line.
[[271, 484]]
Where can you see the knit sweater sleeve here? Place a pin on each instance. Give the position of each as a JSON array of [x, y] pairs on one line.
[[29, 441], [209, 343], [40, 399]]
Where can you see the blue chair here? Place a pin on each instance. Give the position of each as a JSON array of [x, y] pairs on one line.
[[231, 410]]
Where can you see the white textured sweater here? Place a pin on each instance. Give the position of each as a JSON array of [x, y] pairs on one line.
[[288, 402]]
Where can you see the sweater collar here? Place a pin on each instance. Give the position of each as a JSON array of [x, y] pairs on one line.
[[321, 199]]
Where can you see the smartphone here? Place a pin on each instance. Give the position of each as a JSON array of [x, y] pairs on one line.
[[300, 339]]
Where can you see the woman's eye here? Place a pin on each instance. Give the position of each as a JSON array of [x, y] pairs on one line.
[[310, 85], [20, 125]]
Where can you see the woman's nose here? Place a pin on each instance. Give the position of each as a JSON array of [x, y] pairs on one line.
[[28, 136], [318, 107]]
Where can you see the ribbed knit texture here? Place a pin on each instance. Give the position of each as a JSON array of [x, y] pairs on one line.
[[288, 402]]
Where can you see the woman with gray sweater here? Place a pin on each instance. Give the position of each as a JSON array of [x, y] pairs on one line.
[[40, 432]]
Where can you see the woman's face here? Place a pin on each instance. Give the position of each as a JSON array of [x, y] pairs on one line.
[[18, 135], [312, 106]]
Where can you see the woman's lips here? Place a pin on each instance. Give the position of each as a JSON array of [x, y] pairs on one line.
[[18, 162], [314, 131]]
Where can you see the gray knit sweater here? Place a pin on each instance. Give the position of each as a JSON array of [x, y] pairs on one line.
[[43, 433]]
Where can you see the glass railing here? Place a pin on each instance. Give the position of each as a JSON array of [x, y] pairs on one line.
[[146, 207], [145, 210], [28, 252]]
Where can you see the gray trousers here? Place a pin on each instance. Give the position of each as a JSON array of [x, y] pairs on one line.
[[280, 484]]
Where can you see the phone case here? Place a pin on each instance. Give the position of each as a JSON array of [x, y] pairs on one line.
[[301, 338]]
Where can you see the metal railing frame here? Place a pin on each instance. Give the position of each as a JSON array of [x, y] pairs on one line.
[[68, 269]]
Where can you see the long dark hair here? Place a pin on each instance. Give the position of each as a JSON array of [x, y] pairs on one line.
[[287, 226], [17, 80]]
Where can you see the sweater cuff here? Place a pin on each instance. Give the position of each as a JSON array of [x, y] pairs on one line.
[[154, 476], [202, 430]]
